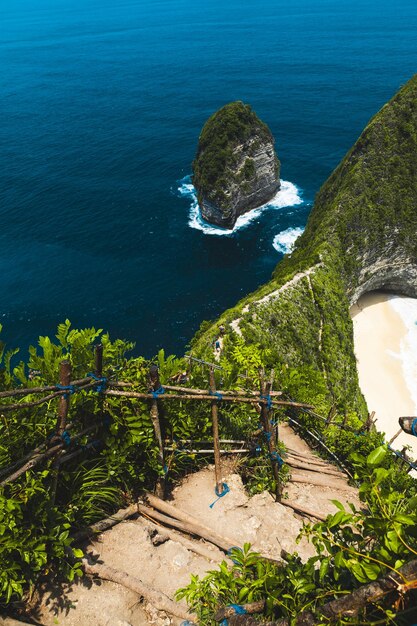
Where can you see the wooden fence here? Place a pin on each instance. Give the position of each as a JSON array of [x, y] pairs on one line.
[[265, 399]]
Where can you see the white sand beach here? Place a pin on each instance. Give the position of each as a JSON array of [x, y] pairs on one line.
[[385, 335]]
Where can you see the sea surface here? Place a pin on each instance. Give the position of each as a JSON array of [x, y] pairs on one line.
[[101, 106]]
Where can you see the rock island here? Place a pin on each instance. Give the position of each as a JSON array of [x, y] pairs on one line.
[[236, 168]]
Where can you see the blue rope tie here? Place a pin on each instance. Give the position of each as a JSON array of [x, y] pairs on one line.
[[273, 422], [413, 426], [158, 392], [71, 389], [224, 622], [101, 382], [230, 552], [165, 469], [275, 458], [66, 438], [267, 435], [268, 400], [217, 395], [225, 491], [238, 609], [258, 450]]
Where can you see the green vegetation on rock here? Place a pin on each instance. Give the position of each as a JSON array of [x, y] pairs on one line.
[[361, 235], [217, 164]]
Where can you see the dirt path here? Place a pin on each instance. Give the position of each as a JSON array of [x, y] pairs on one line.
[[165, 564]]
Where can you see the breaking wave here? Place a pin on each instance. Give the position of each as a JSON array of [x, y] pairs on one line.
[[285, 240], [288, 195]]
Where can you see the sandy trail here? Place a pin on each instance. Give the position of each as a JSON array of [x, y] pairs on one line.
[[267, 525]]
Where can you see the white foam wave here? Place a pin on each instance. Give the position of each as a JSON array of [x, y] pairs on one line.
[[288, 195], [285, 240], [407, 310]]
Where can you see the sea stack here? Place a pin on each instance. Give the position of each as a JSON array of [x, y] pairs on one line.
[[236, 168]]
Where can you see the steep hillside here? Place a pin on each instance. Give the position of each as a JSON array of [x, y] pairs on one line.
[[361, 235]]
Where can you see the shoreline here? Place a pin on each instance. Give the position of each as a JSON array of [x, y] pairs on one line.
[[381, 349]]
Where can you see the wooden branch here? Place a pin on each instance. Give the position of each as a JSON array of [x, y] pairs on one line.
[[313, 468], [181, 442], [34, 460], [302, 510], [201, 549], [352, 603], [158, 599], [29, 405], [211, 451], [30, 464], [397, 434], [176, 513], [27, 391], [227, 611], [106, 523], [194, 527], [228, 392], [301, 457], [190, 528], [147, 396]]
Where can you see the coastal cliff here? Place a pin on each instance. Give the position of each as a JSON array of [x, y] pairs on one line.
[[236, 168], [361, 236]]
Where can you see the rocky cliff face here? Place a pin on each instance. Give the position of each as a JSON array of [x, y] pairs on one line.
[[361, 236], [236, 168]]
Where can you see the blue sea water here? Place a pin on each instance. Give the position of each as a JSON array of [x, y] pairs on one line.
[[101, 105]]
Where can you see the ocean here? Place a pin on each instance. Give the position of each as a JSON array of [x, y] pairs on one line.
[[101, 107]]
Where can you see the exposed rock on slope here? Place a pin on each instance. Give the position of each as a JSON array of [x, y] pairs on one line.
[[361, 236], [236, 168]]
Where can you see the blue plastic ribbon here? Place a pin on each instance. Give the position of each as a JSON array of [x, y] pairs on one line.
[[158, 392], [71, 389], [268, 400], [225, 490], [413, 426], [230, 552], [101, 382], [267, 435], [66, 438], [238, 609], [275, 458], [217, 395]]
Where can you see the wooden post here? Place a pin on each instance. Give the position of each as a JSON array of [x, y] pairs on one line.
[[391, 441], [265, 389], [369, 422], [155, 385], [98, 357], [216, 446], [63, 407]]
